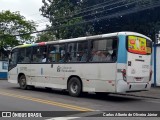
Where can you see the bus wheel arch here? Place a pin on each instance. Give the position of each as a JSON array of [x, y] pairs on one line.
[[74, 85], [22, 81]]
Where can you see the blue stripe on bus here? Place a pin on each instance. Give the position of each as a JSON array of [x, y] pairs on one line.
[[3, 75], [122, 52]]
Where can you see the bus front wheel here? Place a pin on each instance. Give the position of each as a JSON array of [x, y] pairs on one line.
[[74, 87], [22, 82]]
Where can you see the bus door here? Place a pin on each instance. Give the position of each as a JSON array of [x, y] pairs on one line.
[[139, 59], [12, 68], [23, 60]]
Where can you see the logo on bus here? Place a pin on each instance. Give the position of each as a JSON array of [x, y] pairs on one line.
[[65, 69]]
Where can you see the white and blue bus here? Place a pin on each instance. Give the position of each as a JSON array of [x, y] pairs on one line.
[[116, 62]]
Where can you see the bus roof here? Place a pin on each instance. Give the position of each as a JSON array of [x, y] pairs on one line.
[[84, 38], [134, 33]]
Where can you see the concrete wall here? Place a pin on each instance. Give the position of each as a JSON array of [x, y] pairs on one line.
[[158, 66], [153, 65]]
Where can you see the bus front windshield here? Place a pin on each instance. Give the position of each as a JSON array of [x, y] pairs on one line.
[[139, 45]]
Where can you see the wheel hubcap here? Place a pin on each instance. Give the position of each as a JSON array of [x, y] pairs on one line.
[[23, 81], [74, 87]]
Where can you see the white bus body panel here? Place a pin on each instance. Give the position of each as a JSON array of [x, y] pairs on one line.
[[12, 75], [139, 68], [95, 78], [125, 86]]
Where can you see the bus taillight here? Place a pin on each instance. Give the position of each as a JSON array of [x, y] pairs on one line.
[[150, 76], [124, 74]]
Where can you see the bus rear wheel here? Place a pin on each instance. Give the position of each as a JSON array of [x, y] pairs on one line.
[[74, 87], [22, 82]]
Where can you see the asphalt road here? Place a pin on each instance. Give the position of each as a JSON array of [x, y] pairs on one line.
[[39, 99]]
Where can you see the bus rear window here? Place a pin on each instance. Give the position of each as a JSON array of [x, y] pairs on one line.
[[139, 45]]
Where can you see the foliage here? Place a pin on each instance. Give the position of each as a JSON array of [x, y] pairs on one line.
[[126, 15], [68, 17], [45, 36], [63, 21], [11, 24]]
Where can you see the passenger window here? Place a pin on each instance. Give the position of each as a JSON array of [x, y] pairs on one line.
[[21, 55], [56, 53], [27, 57], [39, 54], [77, 52], [104, 50], [13, 58]]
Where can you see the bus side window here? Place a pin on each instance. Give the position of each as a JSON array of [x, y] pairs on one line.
[[39, 54], [82, 51], [71, 52], [56, 53], [52, 53], [103, 50], [13, 59], [20, 58], [114, 50], [114, 55], [62, 53], [21, 55], [27, 56], [34, 58], [77, 51], [34, 55]]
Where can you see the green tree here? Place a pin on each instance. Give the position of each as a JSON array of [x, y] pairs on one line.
[[45, 36], [11, 24], [63, 21], [132, 16]]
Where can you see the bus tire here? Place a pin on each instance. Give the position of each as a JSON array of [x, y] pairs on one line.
[[74, 87], [22, 82]]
